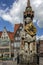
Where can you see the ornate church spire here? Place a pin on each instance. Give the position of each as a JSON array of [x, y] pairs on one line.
[[28, 3]]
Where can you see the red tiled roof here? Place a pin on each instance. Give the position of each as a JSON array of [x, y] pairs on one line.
[[16, 27], [10, 34], [0, 34]]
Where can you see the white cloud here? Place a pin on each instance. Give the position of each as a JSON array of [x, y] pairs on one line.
[[37, 6], [34, 20], [37, 2], [39, 37], [3, 4], [15, 14], [40, 23], [7, 17]]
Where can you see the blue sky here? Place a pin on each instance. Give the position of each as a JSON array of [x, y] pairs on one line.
[[6, 24], [11, 12], [39, 30], [8, 3], [3, 5]]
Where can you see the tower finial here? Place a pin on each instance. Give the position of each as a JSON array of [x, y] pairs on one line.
[[28, 3]]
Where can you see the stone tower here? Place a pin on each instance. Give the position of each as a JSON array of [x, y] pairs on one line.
[[28, 33]]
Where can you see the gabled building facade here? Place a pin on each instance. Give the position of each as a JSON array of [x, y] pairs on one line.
[[17, 38], [6, 43]]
